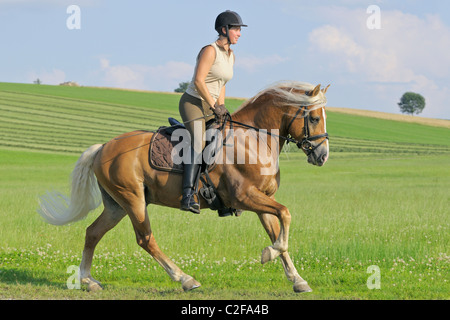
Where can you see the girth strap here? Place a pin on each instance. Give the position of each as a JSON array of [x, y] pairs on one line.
[[209, 192]]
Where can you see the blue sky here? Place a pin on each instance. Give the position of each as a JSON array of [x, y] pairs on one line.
[[152, 45]]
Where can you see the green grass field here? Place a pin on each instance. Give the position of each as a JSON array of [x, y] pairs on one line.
[[381, 200]]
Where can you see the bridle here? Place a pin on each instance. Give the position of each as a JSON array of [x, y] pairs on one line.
[[305, 144]]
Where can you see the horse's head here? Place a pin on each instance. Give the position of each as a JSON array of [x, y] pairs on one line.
[[307, 125], [301, 120]]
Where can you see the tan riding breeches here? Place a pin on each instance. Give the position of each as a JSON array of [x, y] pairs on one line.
[[195, 113]]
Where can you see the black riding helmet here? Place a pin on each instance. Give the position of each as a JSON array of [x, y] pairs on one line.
[[228, 19]]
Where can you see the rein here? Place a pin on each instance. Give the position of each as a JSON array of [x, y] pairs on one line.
[[305, 144]]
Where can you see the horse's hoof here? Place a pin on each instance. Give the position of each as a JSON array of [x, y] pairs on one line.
[[190, 284], [303, 286], [269, 254], [92, 285]]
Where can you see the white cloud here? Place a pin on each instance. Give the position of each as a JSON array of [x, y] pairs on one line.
[[122, 76], [164, 77], [54, 77], [172, 70], [408, 51], [404, 50]]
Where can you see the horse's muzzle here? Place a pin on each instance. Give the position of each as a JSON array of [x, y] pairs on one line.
[[319, 155]]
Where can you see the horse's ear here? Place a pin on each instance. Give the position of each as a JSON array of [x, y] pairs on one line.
[[325, 90], [315, 92]]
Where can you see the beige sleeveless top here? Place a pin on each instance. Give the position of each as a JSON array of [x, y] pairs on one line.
[[220, 73]]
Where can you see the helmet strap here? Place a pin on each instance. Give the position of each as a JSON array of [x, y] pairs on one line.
[[227, 34]]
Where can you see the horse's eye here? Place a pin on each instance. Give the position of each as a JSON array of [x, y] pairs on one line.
[[315, 120]]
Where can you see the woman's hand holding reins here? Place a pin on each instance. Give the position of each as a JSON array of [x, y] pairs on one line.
[[220, 112]]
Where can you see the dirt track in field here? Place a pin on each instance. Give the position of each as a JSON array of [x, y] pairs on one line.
[[392, 116]]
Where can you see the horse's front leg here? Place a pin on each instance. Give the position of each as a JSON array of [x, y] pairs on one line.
[[280, 245], [272, 227]]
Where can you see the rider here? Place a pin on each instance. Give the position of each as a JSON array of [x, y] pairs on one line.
[[205, 97]]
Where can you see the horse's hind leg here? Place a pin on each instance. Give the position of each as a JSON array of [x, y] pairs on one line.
[[110, 217], [137, 210], [272, 227]]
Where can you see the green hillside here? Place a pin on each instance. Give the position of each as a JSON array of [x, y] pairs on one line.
[[70, 119]]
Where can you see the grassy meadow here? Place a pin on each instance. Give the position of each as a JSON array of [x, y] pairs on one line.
[[381, 200]]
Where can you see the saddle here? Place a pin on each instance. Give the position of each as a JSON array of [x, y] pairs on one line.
[[161, 158], [161, 148]]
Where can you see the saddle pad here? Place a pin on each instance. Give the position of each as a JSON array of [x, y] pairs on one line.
[[161, 152]]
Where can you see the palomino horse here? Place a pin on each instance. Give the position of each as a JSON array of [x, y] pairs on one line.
[[120, 173]]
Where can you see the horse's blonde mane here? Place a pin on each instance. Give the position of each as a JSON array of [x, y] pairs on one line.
[[291, 92]]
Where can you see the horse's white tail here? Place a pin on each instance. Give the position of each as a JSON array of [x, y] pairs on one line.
[[85, 196]]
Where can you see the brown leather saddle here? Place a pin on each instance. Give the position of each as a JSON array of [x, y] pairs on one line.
[[163, 148], [161, 157]]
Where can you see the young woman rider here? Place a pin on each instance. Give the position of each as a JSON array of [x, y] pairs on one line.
[[205, 97]]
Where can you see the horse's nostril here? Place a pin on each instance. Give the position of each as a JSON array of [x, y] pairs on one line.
[[324, 158]]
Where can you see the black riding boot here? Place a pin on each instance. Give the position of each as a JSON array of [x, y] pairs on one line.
[[191, 175]]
